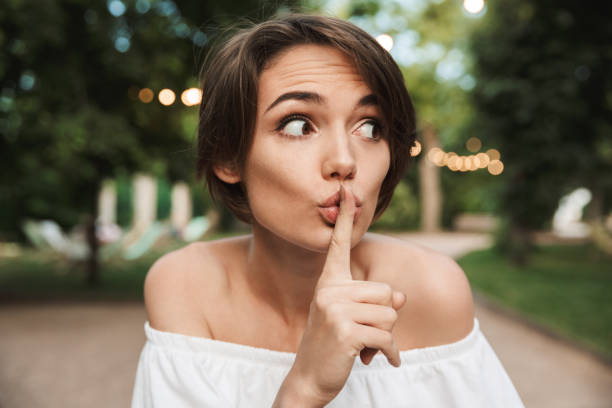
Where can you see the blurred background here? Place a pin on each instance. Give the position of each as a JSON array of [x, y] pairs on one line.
[[512, 176]]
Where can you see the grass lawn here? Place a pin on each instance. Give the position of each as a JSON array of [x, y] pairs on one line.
[[44, 275], [564, 288]]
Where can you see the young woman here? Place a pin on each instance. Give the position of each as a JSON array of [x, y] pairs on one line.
[[305, 130]]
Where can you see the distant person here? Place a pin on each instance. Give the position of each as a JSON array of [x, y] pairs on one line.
[[305, 130]]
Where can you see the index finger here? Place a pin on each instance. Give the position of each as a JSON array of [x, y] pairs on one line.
[[338, 261]]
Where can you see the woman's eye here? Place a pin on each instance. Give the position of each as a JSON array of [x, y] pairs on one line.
[[370, 129], [295, 127]]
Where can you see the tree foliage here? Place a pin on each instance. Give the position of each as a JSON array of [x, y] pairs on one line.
[[70, 72], [544, 96]]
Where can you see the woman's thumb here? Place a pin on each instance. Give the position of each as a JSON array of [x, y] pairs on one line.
[[399, 300]]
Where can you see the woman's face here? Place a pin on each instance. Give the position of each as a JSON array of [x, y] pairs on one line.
[[318, 126]]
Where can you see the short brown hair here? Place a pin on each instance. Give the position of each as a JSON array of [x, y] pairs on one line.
[[229, 97]]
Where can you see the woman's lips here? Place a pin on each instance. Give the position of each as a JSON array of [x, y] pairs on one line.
[[330, 214]]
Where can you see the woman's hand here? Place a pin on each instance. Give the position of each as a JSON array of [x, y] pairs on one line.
[[347, 318]]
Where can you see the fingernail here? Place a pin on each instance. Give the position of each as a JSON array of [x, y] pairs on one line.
[[399, 296], [342, 193]]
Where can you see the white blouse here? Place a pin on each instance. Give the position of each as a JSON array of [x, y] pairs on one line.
[[184, 371]]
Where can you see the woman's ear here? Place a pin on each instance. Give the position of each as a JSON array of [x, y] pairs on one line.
[[227, 173]]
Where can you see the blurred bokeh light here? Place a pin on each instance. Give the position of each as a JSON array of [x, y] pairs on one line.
[[146, 95], [166, 97], [191, 96], [473, 144], [386, 41], [473, 6]]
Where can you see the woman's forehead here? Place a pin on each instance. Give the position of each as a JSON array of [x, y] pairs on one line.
[[309, 67]]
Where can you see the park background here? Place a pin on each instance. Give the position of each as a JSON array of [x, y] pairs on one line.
[[98, 117]]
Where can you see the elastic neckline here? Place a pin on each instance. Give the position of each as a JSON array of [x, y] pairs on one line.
[[258, 355]]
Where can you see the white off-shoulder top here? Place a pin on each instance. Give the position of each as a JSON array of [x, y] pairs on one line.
[[179, 371]]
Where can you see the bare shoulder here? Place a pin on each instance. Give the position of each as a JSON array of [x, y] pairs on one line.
[[439, 308], [176, 286]]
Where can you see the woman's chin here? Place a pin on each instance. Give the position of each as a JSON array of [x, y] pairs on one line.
[[314, 237], [318, 243]]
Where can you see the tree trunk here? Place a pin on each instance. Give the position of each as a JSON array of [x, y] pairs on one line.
[[93, 278], [429, 180], [520, 245]]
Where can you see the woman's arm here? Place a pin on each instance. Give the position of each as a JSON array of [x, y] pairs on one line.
[[440, 305], [172, 287], [294, 393]]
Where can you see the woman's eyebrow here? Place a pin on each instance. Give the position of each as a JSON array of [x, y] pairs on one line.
[[300, 96], [313, 97], [368, 100]]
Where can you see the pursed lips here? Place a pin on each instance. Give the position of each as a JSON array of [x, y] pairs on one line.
[[330, 208], [334, 200]]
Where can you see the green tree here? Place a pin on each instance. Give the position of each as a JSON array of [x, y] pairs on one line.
[[544, 96], [70, 72]]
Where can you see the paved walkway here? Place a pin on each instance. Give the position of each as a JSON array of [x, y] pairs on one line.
[[454, 244], [85, 355]]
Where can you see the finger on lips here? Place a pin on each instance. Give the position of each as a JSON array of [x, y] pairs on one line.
[[338, 261], [337, 268]]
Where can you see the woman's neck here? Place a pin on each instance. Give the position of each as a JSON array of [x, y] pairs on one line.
[[283, 275]]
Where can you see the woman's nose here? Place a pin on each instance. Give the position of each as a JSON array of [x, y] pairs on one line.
[[339, 159]]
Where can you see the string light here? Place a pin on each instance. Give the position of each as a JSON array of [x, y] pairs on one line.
[[191, 96], [166, 97], [460, 163], [432, 153], [493, 154], [473, 162], [439, 158], [483, 160], [451, 162], [416, 149], [473, 144], [495, 167], [145, 95]]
